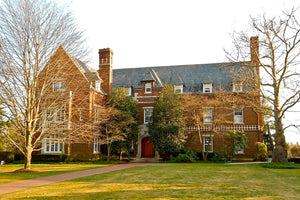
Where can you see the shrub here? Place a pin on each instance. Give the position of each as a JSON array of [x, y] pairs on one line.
[[7, 156], [209, 156], [261, 152], [281, 165], [185, 158], [295, 160], [294, 150], [218, 157], [78, 157], [48, 158]]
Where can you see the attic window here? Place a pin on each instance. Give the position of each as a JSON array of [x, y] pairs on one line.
[[237, 87], [128, 91], [207, 87], [59, 86], [178, 89], [148, 88]]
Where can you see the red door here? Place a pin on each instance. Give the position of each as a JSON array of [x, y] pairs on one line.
[[147, 148]]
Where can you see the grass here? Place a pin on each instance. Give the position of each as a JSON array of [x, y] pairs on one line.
[[176, 181], [6, 175]]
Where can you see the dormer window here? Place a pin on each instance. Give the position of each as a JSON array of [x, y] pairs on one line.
[[237, 87], [128, 91], [59, 86], [207, 87], [178, 89], [97, 85], [148, 88]]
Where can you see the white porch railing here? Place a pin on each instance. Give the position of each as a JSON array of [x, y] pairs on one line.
[[240, 127]]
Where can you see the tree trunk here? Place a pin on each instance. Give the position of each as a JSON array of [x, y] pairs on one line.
[[108, 151], [28, 150], [280, 151]]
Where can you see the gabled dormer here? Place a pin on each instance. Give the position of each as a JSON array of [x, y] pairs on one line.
[[148, 82]]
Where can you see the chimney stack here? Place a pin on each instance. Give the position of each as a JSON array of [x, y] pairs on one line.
[[105, 69], [254, 44]]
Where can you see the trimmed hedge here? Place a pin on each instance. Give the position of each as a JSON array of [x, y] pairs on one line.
[[295, 160], [48, 158]]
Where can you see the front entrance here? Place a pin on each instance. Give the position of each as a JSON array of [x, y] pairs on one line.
[[147, 148]]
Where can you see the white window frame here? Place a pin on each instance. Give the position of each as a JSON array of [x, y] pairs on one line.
[[208, 141], [53, 144], [128, 91], [148, 119], [238, 116], [60, 115], [237, 87], [96, 115], [178, 88], [59, 86], [207, 87], [80, 118], [98, 85], [239, 149], [96, 145], [148, 88], [207, 116]]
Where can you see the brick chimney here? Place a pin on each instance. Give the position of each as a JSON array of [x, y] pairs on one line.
[[105, 69], [254, 43]]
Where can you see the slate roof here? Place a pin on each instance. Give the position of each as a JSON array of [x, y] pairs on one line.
[[191, 77]]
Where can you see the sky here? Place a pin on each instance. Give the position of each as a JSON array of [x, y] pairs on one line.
[[144, 33]]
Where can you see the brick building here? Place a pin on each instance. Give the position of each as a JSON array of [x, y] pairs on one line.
[[144, 85]]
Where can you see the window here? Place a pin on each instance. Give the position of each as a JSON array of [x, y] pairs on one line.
[[96, 148], [60, 115], [207, 87], [208, 143], [148, 88], [59, 86], [80, 115], [178, 89], [148, 112], [96, 115], [207, 116], [97, 85], [128, 91], [53, 144], [238, 147], [238, 116], [237, 87]]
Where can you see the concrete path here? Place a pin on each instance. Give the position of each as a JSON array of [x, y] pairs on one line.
[[21, 185]]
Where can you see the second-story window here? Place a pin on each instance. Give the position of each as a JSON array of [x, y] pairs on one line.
[[238, 116], [59, 86], [207, 87], [60, 115], [148, 88], [207, 116], [148, 112]]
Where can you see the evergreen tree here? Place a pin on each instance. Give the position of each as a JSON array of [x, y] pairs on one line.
[[166, 128]]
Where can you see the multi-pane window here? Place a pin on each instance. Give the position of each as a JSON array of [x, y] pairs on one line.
[[237, 87], [128, 91], [238, 147], [207, 143], [178, 89], [148, 112], [148, 88], [59, 86], [97, 85], [60, 115], [96, 147], [238, 116], [207, 87], [53, 144], [96, 115], [207, 116]]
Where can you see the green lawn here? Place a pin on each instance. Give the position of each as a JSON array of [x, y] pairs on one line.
[[7, 176], [176, 181]]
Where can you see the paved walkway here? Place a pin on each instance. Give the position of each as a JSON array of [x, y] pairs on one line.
[[21, 185]]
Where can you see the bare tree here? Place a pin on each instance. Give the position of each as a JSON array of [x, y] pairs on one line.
[[278, 59], [30, 32]]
